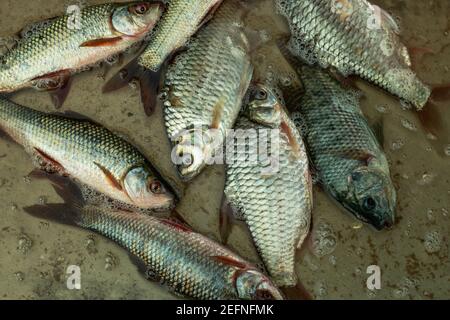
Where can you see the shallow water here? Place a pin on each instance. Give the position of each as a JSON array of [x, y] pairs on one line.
[[413, 256]]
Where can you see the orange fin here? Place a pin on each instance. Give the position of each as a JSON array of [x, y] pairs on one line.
[[230, 262], [110, 177], [106, 42], [59, 95], [284, 128], [175, 224], [49, 164], [218, 113], [58, 83], [149, 85]]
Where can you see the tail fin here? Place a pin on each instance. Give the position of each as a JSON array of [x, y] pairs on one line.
[[148, 81], [68, 213]]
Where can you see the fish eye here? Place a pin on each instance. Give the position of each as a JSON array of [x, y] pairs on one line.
[[369, 204], [140, 9], [155, 187], [261, 94]]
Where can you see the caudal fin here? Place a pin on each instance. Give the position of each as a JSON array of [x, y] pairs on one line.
[[66, 213], [148, 82]]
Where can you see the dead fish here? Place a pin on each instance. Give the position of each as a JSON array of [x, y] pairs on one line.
[[87, 152], [354, 37], [271, 191], [203, 90], [50, 52], [346, 155], [168, 251], [181, 20]]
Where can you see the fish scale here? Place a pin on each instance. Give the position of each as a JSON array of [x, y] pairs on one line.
[[209, 79], [77, 145], [175, 256], [181, 19], [337, 135], [53, 46], [323, 33], [275, 206]]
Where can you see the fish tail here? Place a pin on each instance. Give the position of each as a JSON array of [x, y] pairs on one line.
[[148, 81], [70, 212]]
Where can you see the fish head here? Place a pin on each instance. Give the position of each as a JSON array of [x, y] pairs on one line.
[[406, 85], [371, 197], [265, 105], [194, 149], [147, 191], [253, 285], [136, 18]]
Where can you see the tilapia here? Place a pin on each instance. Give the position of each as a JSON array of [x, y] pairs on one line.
[[268, 182], [169, 252], [204, 88], [354, 37], [51, 51], [88, 153], [346, 155], [181, 20]]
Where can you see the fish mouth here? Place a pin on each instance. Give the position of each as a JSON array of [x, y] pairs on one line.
[[385, 223]]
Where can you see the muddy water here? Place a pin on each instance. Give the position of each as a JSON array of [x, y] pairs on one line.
[[413, 257]]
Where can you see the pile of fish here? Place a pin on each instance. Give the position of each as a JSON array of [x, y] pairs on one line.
[[195, 59]]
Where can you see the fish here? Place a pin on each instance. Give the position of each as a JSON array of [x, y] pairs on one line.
[[203, 90], [167, 251], [271, 188], [50, 52], [346, 155], [87, 152], [181, 20], [354, 37]]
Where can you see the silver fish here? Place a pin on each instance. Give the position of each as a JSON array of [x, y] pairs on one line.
[[273, 192], [355, 38], [347, 158]]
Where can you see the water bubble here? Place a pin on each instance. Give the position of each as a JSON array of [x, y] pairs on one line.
[[397, 144], [432, 242], [19, 276], [42, 200], [447, 150], [110, 262], [426, 179], [332, 260], [320, 289], [430, 215], [382, 109], [324, 241], [408, 125], [24, 244], [405, 105], [401, 292]]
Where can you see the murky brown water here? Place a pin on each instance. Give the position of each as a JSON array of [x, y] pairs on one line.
[[413, 257]]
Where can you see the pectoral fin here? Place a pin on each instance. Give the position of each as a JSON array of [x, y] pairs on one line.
[[110, 177], [106, 42]]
